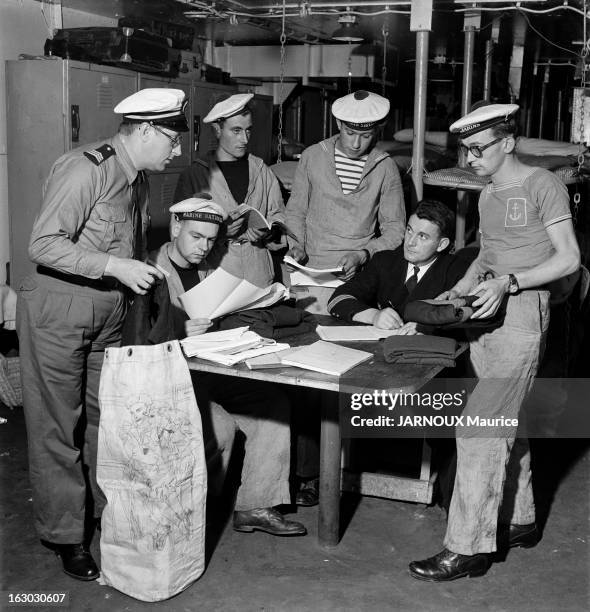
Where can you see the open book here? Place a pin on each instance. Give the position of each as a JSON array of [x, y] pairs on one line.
[[221, 293], [353, 333], [326, 357], [303, 275], [256, 220]]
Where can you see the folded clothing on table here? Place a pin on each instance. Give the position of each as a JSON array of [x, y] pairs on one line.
[[420, 350], [278, 321], [455, 313]]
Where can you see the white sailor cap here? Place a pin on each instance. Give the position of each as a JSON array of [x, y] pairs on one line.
[[156, 105], [361, 110], [483, 118], [199, 209], [228, 107]]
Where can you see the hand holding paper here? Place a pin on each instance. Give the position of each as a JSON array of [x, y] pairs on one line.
[[221, 293], [255, 220], [306, 276]]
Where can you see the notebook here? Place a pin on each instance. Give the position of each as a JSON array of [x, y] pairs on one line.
[[326, 357]]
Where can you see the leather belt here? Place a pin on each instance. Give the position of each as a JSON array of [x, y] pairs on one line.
[[108, 283]]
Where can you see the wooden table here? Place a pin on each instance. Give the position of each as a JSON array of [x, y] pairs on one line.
[[373, 374]]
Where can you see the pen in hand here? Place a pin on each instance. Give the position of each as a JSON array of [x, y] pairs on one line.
[[388, 319]]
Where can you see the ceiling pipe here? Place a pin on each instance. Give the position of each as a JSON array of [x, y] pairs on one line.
[[333, 4], [471, 24], [421, 23]]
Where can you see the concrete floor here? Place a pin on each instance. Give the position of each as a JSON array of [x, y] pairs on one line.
[[367, 571]]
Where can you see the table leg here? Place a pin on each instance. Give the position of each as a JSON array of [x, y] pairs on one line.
[[329, 511]]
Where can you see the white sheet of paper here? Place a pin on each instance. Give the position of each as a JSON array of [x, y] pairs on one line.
[[221, 293], [310, 271], [195, 345], [240, 356], [300, 278]]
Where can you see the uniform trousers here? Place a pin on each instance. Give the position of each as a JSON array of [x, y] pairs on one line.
[[63, 332], [493, 479], [261, 412], [306, 422]]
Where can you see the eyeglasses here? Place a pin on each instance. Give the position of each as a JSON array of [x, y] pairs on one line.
[[477, 150], [174, 140]]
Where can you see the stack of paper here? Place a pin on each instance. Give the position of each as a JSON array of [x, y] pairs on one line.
[[326, 357], [221, 293], [230, 346], [304, 276], [230, 359], [353, 333], [238, 338]]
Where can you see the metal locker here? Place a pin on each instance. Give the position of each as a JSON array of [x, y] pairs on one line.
[[162, 187], [204, 97], [53, 105], [261, 141], [93, 92]]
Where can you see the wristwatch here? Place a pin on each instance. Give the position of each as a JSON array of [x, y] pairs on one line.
[[513, 286]]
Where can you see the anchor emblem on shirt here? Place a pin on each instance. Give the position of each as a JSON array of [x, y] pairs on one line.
[[516, 213]]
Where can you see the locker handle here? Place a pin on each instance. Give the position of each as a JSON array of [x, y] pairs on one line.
[[75, 122]]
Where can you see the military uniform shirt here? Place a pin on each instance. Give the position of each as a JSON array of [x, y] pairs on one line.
[[86, 214], [514, 217]]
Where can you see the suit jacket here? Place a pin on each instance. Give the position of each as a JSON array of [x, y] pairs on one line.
[[382, 283]]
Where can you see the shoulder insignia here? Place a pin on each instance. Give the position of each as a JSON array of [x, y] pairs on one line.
[[97, 156]]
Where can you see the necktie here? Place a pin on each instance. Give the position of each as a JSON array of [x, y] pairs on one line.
[[413, 280], [137, 197]]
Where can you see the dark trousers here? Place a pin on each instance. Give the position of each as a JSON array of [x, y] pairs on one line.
[[63, 331], [306, 431]]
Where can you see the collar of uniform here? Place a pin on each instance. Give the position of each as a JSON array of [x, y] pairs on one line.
[[517, 181], [124, 159], [255, 165], [374, 156]]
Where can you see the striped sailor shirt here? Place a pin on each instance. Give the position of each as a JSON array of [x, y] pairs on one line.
[[348, 170]]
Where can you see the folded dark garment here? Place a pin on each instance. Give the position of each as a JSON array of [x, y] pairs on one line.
[[431, 312], [423, 350], [278, 321], [455, 313]]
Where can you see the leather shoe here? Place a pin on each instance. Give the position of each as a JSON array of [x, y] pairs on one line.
[[448, 565], [518, 536], [309, 493], [77, 561], [268, 520]]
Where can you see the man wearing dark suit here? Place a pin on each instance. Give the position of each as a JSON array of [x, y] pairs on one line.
[[421, 268]]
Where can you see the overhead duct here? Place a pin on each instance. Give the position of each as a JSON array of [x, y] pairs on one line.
[[311, 61]]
